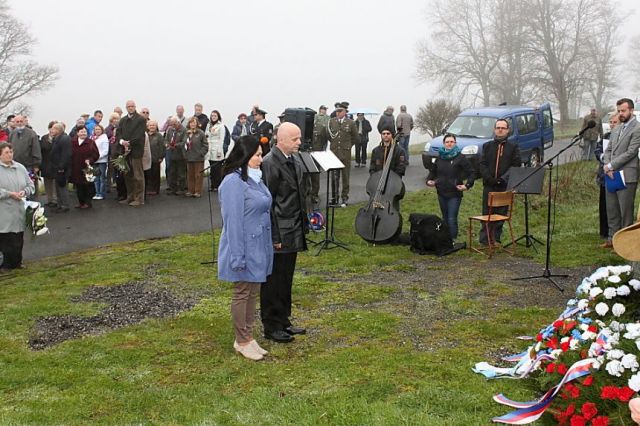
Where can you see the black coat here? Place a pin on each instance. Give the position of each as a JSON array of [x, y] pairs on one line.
[[397, 161], [45, 166], [505, 158], [366, 128], [133, 129], [288, 218], [60, 156], [449, 173]]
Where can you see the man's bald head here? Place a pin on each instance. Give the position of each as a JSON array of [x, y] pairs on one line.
[[288, 138]]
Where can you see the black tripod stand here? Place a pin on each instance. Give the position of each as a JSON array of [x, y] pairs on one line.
[[546, 274], [330, 240], [214, 259]]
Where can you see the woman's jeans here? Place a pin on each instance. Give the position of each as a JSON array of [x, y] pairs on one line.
[[450, 208], [101, 181]]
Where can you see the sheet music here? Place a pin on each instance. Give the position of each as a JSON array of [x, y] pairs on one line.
[[327, 160]]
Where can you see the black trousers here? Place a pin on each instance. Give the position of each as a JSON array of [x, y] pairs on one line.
[[275, 294], [11, 248], [152, 178], [121, 187], [602, 208], [84, 192]]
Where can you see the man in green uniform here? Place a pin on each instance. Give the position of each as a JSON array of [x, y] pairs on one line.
[[343, 134], [319, 143]]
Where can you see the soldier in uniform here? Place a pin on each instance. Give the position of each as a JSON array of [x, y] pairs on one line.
[[343, 134], [319, 143], [262, 129]]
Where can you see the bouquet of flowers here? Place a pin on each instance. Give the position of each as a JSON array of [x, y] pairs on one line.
[[35, 218], [90, 173], [590, 353], [120, 163]]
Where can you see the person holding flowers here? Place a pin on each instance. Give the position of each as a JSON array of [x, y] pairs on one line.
[[84, 153], [15, 186]]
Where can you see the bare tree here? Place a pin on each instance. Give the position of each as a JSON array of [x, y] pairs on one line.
[[19, 74], [460, 52], [559, 28], [435, 115], [633, 74], [601, 45]]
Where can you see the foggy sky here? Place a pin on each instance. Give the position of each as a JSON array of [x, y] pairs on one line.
[[228, 55]]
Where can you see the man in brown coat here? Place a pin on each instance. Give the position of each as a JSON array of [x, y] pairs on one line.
[[131, 131], [343, 134]]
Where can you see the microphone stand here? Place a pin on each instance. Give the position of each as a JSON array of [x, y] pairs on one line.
[[214, 259], [546, 274]]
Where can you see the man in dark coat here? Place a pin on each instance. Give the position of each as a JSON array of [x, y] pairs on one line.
[[364, 127], [131, 130], [203, 120], [283, 176], [498, 156], [380, 153], [175, 138], [60, 160], [262, 129]]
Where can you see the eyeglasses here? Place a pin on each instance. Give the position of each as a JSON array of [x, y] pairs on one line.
[[502, 128]]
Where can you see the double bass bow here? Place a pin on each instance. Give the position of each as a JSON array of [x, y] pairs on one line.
[[380, 220]]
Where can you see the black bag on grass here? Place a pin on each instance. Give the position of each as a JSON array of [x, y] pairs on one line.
[[430, 234]]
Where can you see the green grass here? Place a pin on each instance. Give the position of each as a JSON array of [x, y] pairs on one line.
[[380, 349]]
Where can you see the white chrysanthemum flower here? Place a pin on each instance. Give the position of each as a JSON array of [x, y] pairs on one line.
[[596, 365], [583, 303], [565, 339], [602, 309], [573, 344], [633, 331], [616, 326], [594, 292], [618, 270], [599, 273], [583, 327], [634, 382], [610, 293], [588, 335], [614, 279], [623, 290], [638, 344], [615, 354], [618, 309], [584, 286], [601, 324], [630, 362], [615, 368], [635, 284], [614, 339]]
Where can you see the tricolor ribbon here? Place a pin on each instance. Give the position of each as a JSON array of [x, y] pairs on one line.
[[531, 411]]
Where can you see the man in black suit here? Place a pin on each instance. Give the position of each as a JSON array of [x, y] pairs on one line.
[[132, 130], [262, 129], [283, 176]]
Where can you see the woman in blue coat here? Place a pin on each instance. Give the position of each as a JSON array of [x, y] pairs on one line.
[[246, 249]]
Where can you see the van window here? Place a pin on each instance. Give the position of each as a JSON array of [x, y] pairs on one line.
[[547, 121], [527, 123]]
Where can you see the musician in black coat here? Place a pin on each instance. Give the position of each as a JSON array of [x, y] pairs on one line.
[[379, 154], [448, 174], [498, 156], [262, 129], [283, 175]]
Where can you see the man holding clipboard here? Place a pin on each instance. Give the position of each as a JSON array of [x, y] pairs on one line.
[[621, 168]]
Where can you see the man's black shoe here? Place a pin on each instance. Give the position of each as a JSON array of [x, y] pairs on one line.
[[295, 330], [279, 336]]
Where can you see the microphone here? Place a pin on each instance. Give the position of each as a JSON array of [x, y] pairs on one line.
[[590, 125]]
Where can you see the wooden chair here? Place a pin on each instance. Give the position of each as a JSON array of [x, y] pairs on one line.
[[496, 200]]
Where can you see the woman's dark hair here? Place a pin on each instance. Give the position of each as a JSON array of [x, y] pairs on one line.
[[242, 151], [217, 113], [4, 145], [450, 135]]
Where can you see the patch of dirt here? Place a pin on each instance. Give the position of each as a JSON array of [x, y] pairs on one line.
[[128, 304]]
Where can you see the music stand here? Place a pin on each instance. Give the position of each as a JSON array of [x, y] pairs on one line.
[[328, 162], [524, 180], [309, 167]]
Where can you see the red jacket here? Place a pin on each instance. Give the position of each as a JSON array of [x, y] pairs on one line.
[[79, 153]]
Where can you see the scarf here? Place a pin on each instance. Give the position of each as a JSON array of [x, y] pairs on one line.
[[449, 154]]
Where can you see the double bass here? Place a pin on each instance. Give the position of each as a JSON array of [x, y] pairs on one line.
[[380, 220]]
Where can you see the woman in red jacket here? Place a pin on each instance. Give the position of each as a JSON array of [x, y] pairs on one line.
[[84, 152]]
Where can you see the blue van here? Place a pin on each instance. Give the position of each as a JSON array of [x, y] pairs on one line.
[[531, 129]]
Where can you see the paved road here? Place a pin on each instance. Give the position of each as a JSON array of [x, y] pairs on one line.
[[165, 216]]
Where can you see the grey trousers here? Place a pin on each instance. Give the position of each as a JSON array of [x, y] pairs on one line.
[[62, 195], [243, 309], [620, 207]]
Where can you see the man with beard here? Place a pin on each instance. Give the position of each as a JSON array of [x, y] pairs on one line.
[[621, 155], [498, 156]]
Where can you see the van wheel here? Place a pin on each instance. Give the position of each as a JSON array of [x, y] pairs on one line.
[[534, 159]]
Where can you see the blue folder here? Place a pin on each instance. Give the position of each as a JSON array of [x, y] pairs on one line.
[[616, 183]]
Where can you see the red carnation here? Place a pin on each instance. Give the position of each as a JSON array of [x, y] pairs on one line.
[[562, 369], [609, 392], [625, 393], [539, 337], [578, 420], [574, 391], [592, 328], [565, 345], [551, 367], [589, 410], [600, 421], [553, 343], [588, 381], [568, 326], [558, 323]]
